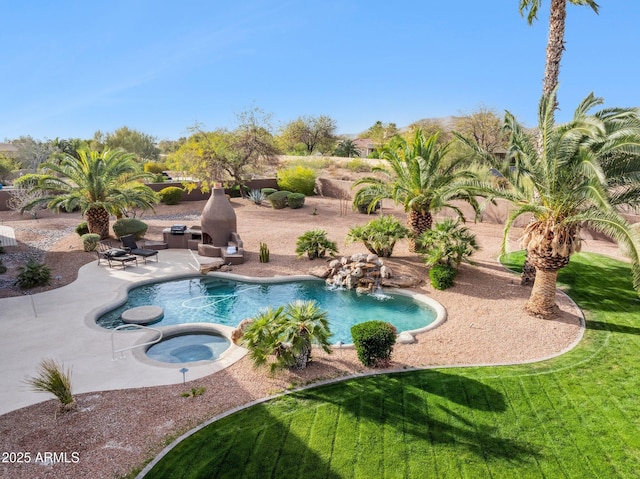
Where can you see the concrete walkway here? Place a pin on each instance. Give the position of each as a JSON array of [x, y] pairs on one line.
[[60, 324]]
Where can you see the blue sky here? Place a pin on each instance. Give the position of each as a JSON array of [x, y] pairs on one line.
[[70, 68]]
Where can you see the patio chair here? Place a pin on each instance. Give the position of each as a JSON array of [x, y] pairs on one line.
[[114, 255], [130, 245]]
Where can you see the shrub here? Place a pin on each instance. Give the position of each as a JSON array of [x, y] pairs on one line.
[[358, 165], [314, 244], [295, 200], [130, 226], [278, 199], [374, 342], [268, 191], [297, 179], [82, 228], [90, 241], [170, 195], [54, 379], [442, 276], [364, 203], [33, 274], [379, 236], [155, 168]]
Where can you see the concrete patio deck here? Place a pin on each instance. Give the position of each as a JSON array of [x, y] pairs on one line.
[[59, 324]]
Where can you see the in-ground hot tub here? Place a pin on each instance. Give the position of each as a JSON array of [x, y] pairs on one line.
[[187, 343]]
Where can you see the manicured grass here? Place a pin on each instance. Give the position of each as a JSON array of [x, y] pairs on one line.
[[575, 416]]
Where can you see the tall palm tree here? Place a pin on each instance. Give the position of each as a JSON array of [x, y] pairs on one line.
[[555, 41], [99, 183], [423, 177], [564, 186]]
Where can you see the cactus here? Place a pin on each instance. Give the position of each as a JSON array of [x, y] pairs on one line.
[[264, 253]]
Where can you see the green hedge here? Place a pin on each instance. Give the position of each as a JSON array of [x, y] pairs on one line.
[[130, 226], [268, 191], [295, 200], [90, 241], [278, 199], [374, 342], [170, 195], [82, 229], [442, 276]]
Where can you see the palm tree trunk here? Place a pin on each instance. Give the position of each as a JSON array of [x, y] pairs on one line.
[[542, 302], [303, 357], [98, 221], [555, 45], [418, 222]]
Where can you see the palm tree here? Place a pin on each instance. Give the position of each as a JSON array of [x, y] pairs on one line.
[[287, 332], [422, 177], [305, 323], [99, 183], [564, 186], [347, 149], [555, 41]]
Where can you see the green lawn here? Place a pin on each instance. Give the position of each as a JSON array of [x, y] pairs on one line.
[[574, 416]]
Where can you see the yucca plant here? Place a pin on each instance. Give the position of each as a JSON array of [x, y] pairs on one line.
[[52, 378]]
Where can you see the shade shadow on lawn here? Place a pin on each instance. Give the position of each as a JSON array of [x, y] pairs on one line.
[[576, 415]]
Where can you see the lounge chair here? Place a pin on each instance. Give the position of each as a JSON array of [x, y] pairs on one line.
[[130, 245], [114, 255]]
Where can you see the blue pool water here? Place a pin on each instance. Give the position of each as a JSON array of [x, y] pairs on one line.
[[223, 301]]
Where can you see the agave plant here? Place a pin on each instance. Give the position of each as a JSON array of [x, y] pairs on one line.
[[257, 196]]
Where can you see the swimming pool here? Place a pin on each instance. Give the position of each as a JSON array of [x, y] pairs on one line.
[[206, 299]]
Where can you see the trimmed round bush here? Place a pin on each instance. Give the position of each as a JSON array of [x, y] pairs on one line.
[[278, 199], [295, 200], [90, 241], [442, 276], [130, 226], [170, 195], [82, 229], [268, 191], [155, 168], [297, 179], [374, 342]]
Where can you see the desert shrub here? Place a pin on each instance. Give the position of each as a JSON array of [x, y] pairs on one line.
[[155, 168], [268, 191], [297, 179], [442, 276], [278, 199], [358, 165], [33, 274], [82, 229], [54, 379], [364, 203], [170, 195], [379, 236], [159, 178], [295, 200], [90, 241], [130, 226], [374, 342], [315, 244]]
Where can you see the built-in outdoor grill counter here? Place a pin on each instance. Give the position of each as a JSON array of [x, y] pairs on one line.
[[179, 236]]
